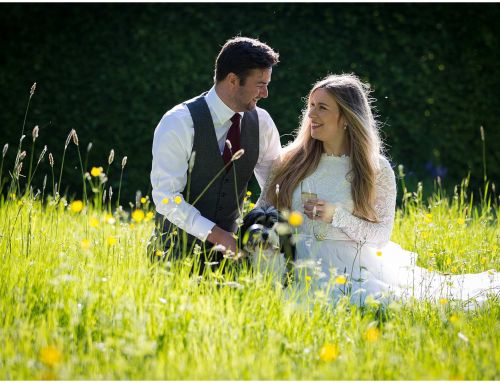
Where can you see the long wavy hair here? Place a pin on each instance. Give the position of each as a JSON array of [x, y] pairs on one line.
[[301, 157]]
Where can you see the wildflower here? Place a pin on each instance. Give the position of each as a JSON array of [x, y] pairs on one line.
[[132, 226], [85, 244], [379, 253], [50, 356], [424, 234], [251, 205], [138, 215], [277, 191], [143, 200], [89, 146], [461, 221], [372, 334], [249, 193], [111, 156], [93, 222], [76, 206], [68, 139], [149, 216], [75, 137], [96, 172], [454, 318], [51, 160], [32, 90], [109, 219], [229, 145], [428, 218], [238, 155], [177, 199], [4, 150], [308, 278], [111, 241], [401, 170], [34, 133], [340, 280], [42, 154], [329, 352], [483, 260], [443, 301], [159, 253], [22, 155], [295, 219], [164, 201], [124, 161], [463, 337], [448, 261]]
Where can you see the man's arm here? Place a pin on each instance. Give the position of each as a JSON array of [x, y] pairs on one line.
[[269, 146], [172, 146]]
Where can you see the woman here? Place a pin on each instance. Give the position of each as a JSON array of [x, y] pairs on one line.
[[336, 174]]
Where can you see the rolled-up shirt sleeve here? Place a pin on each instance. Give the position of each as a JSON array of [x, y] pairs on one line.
[[172, 146]]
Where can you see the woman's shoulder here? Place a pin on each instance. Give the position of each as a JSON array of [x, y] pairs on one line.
[[385, 166]]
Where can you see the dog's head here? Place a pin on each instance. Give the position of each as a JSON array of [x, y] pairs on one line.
[[257, 228], [260, 231]]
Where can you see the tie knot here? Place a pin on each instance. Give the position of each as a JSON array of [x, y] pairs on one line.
[[236, 118]]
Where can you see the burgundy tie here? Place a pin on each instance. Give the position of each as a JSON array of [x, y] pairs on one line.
[[233, 135]]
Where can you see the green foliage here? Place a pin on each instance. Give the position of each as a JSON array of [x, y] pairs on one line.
[[80, 301], [110, 71]]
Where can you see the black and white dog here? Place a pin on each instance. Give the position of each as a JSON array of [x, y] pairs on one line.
[[267, 237]]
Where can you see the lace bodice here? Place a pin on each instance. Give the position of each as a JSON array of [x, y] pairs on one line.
[[330, 182]]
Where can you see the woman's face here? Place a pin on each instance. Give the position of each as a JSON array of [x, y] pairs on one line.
[[323, 112]]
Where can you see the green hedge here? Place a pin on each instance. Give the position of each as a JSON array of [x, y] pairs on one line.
[[110, 71]]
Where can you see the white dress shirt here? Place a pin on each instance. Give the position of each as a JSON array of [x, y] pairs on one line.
[[172, 146]]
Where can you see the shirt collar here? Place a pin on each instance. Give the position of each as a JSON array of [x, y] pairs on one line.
[[222, 112]]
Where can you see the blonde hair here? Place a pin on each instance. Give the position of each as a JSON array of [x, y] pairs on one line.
[[301, 157]]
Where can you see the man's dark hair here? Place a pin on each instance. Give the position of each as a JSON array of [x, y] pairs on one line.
[[239, 55]]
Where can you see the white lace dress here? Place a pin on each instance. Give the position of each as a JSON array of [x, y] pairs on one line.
[[360, 253]]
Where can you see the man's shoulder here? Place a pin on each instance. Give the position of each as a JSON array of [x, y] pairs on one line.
[[265, 118]]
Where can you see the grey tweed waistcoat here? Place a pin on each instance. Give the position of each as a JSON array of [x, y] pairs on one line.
[[219, 203]]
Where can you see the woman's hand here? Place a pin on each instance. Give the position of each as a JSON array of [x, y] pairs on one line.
[[319, 210]]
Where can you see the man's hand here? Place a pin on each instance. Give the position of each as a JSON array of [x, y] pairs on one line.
[[222, 237], [319, 210]]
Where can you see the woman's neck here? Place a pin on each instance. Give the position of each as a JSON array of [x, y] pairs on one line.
[[337, 148]]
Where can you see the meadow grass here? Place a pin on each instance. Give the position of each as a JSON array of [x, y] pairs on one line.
[[80, 300]]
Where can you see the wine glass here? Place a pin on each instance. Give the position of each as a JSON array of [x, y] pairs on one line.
[[308, 191]]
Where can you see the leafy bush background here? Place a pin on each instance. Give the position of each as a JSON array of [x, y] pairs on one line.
[[111, 70]]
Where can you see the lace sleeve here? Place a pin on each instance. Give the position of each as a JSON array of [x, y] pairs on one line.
[[262, 198], [385, 203]]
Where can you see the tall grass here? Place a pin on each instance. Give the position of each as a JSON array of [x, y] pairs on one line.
[[80, 300]]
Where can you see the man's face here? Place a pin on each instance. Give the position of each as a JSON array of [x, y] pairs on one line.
[[255, 88]]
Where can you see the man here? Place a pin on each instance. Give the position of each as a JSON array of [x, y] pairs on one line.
[[198, 180]]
